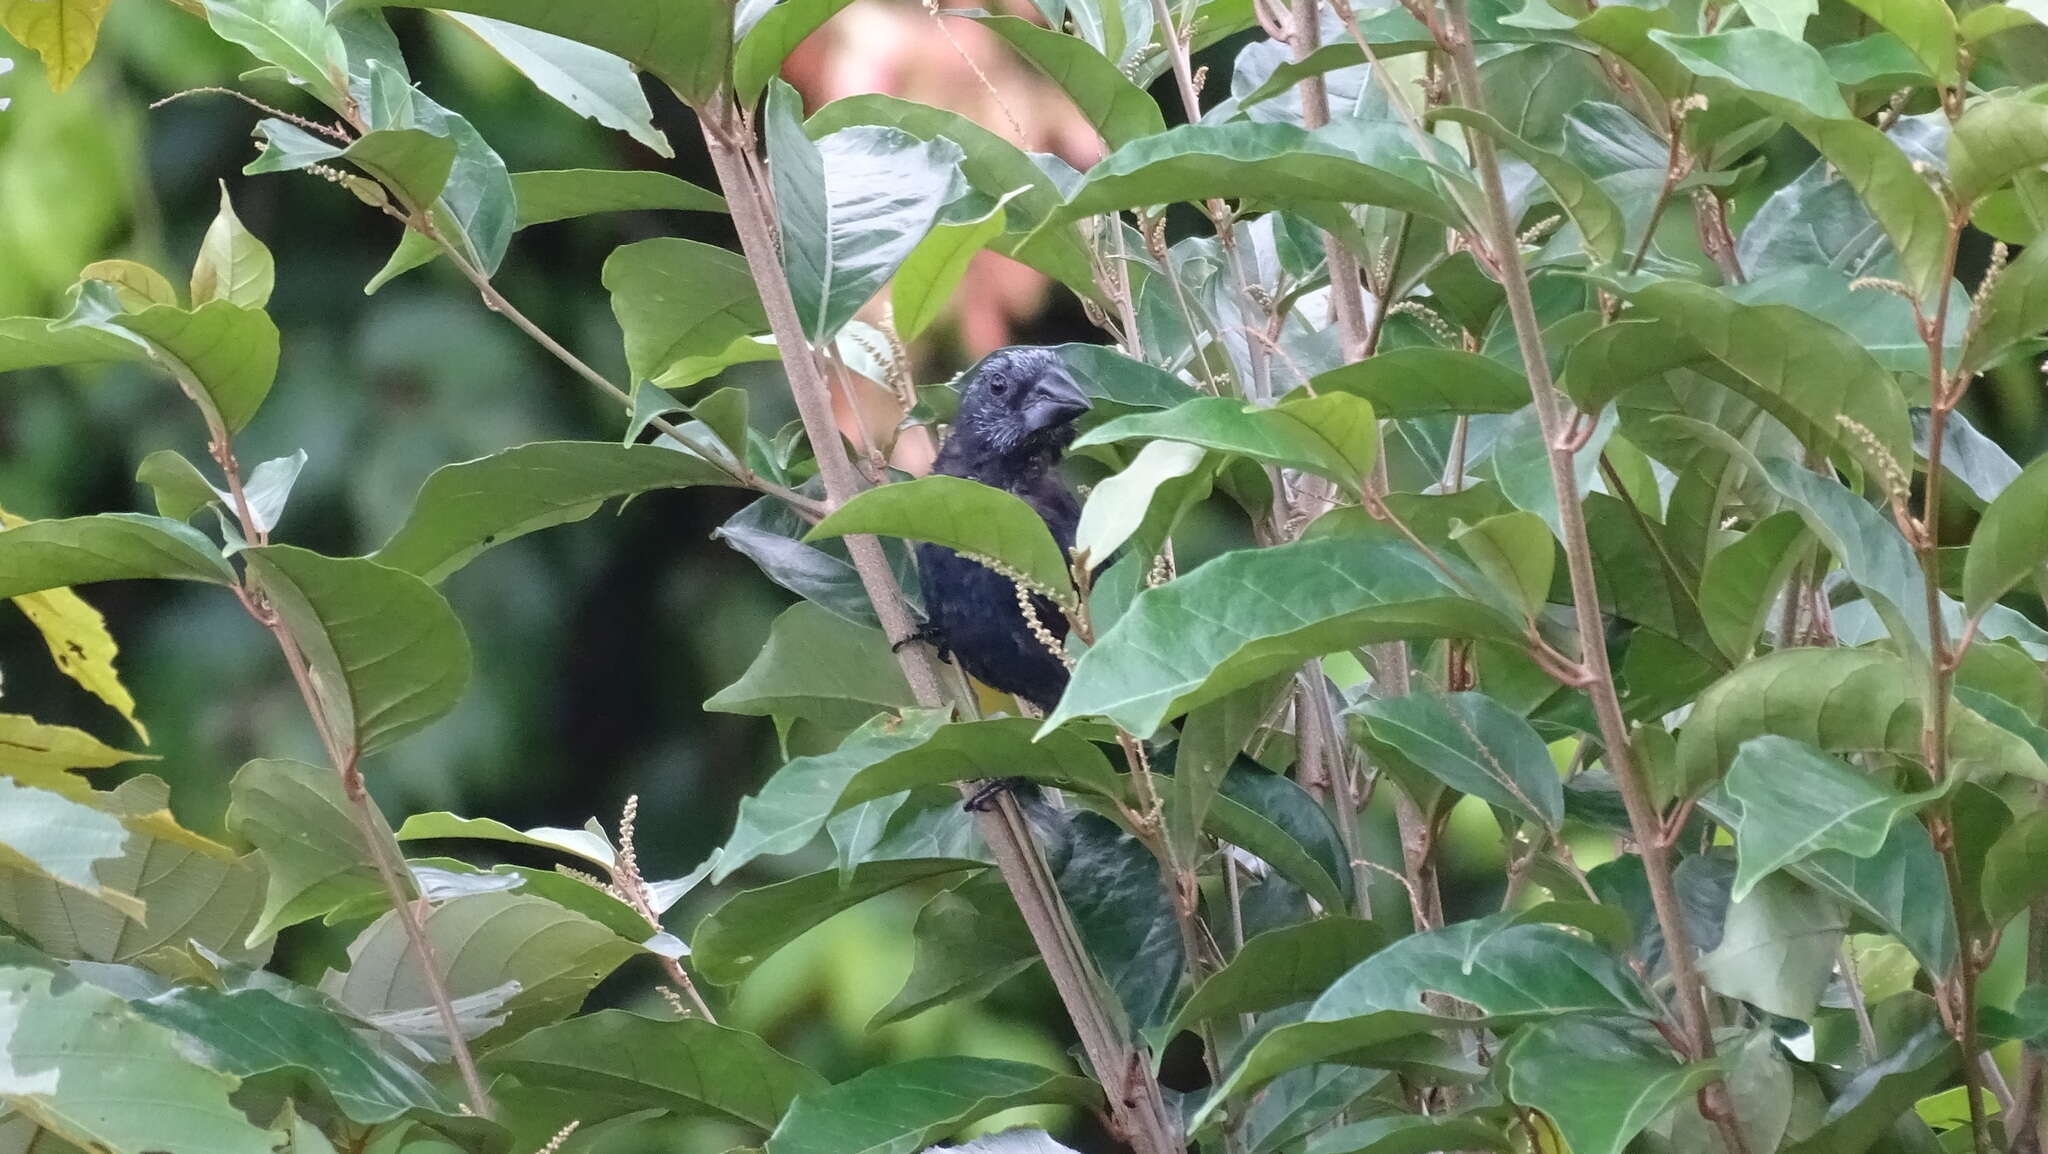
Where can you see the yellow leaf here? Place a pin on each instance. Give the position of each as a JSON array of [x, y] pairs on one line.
[[42, 756], [78, 640], [30, 748], [62, 32], [136, 285]]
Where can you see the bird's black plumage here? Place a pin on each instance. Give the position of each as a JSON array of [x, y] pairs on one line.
[[1017, 408]]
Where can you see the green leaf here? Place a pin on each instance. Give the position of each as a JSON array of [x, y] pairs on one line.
[[852, 206], [386, 656], [136, 285], [1111, 883], [223, 355], [561, 194], [591, 846], [1280, 824], [2011, 542], [1516, 552], [313, 850], [1519, 464], [1869, 1106], [1760, 1078], [1874, 165], [766, 533], [254, 1031], [819, 666], [1423, 381], [50, 836], [889, 755], [993, 167], [1994, 140], [1267, 164], [1600, 1083], [764, 47], [909, 1105], [680, 302], [1869, 546], [1741, 582], [412, 162], [446, 879], [750, 926], [1778, 948], [1840, 701], [180, 488], [2016, 869], [1280, 967], [81, 1064], [969, 940], [1120, 505], [687, 44], [966, 516], [616, 1062], [1333, 434], [466, 508], [1880, 320], [1509, 973], [1601, 228], [42, 555], [482, 942], [1115, 382], [1796, 801], [1471, 743], [1803, 371], [1218, 628], [1927, 27], [233, 265], [291, 35], [1902, 888], [1119, 110], [2014, 312], [188, 890], [1411, 1134], [924, 285], [1763, 60], [588, 81], [1786, 16], [1991, 19], [1210, 743]]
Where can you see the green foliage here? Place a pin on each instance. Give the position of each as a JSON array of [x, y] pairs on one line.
[[1763, 755]]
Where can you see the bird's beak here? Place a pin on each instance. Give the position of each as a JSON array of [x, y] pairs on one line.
[[1055, 399]]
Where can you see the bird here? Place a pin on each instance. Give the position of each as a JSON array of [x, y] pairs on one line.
[[1016, 417]]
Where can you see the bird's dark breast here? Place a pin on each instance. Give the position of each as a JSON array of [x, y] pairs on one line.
[[973, 611]]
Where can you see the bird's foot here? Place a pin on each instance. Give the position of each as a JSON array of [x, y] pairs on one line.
[[985, 797], [927, 633]]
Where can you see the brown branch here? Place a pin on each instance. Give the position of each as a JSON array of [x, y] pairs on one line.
[[1944, 397], [1499, 230], [1137, 1111]]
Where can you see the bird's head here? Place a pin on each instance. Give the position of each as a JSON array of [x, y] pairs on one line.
[[1018, 401]]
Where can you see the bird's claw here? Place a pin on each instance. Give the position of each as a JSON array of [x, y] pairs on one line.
[[928, 634], [984, 798]]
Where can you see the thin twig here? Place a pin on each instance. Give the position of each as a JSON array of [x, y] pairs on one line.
[[497, 303], [370, 821]]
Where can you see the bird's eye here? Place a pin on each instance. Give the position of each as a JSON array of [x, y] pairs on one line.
[[999, 388]]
